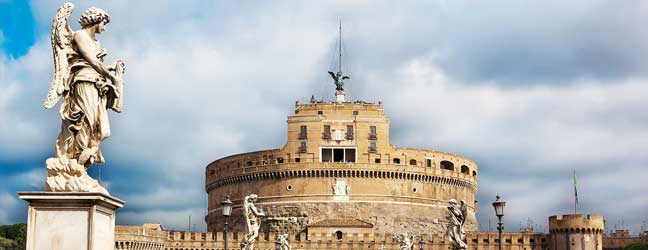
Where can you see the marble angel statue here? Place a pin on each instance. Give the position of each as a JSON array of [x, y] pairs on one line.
[[88, 88], [406, 241], [252, 217], [457, 213]]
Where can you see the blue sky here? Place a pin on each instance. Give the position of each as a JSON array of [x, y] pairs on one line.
[[530, 90]]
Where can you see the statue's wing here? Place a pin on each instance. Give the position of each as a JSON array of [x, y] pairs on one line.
[[464, 211], [61, 44], [345, 77], [333, 75]]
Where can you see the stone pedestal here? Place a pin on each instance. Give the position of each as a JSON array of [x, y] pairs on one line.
[[339, 96], [70, 220]]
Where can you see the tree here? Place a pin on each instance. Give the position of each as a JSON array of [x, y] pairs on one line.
[[637, 246]]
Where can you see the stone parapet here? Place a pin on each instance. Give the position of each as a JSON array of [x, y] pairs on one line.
[[266, 241], [574, 223]]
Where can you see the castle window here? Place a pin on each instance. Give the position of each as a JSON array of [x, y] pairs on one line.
[[464, 169], [349, 155], [302, 146], [373, 135], [377, 160], [414, 190], [212, 172], [327, 132], [428, 163], [297, 160], [280, 160], [372, 147], [327, 155], [474, 173], [249, 163], [303, 133], [447, 165], [338, 235], [319, 112], [338, 155], [349, 133], [355, 112], [289, 187], [412, 162], [396, 161]]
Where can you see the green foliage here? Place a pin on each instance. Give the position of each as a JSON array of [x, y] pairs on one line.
[[637, 246], [12, 237]]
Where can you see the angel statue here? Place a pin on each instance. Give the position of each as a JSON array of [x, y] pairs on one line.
[[339, 80], [252, 217], [281, 242], [457, 216], [406, 241], [89, 88]]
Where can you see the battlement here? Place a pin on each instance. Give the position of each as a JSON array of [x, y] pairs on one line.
[[577, 223], [266, 241]]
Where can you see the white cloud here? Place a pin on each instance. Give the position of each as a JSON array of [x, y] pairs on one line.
[[206, 81]]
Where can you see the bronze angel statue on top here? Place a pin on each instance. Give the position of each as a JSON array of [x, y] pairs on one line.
[[88, 88]]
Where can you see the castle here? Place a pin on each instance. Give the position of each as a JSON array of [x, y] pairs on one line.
[[338, 183], [339, 169]]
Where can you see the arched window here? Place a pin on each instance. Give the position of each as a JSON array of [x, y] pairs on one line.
[[338, 235], [474, 173], [413, 162], [464, 169], [396, 161], [447, 165]]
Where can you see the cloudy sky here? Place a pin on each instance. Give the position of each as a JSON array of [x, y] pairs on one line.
[[532, 91]]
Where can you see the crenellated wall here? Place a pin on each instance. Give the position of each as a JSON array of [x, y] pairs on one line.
[[476, 240], [576, 232]]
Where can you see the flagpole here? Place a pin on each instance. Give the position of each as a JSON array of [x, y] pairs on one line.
[[575, 194]]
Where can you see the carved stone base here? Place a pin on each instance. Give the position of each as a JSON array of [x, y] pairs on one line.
[[339, 96], [70, 221], [64, 175]]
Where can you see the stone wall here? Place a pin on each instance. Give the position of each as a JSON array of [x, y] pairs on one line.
[[476, 240], [621, 238]]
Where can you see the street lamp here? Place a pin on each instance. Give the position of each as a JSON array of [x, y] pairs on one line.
[[499, 211], [227, 211], [421, 242]]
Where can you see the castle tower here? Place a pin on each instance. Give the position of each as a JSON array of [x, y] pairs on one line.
[[338, 163], [576, 232]]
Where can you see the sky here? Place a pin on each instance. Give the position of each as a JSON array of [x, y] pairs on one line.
[[530, 90]]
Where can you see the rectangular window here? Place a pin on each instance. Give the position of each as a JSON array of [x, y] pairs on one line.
[[327, 132], [303, 133], [428, 163], [377, 160], [319, 112], [355, 112], [349, 133], [372, 133], [372, 147], [338, 155], [327, 155], [349, 155], [302, 146]]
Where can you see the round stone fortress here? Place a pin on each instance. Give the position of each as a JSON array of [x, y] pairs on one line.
[[338, 173]]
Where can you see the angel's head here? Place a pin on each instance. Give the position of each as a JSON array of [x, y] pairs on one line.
[[94, 16]]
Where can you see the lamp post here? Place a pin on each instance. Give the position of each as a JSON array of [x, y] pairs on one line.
[[227, 211], [499, 211], [421, 242]]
